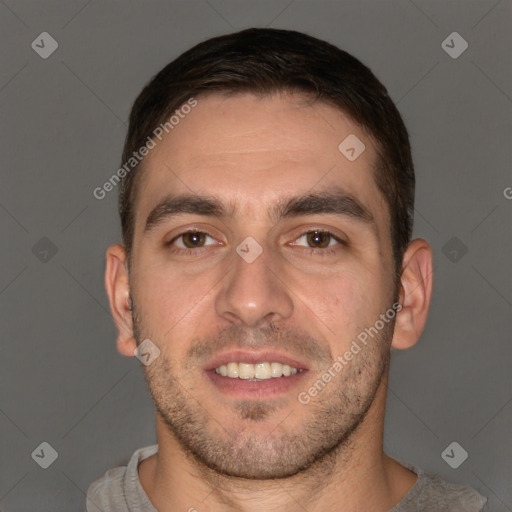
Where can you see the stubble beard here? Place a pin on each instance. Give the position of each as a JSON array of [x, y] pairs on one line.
[[237, 449]]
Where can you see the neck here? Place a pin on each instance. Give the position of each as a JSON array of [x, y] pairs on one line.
[[356, 476]]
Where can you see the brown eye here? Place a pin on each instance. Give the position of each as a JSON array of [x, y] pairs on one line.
[[318, 239], [193, 239]]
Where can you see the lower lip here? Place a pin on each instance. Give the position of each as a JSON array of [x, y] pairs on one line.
[[242, 388]]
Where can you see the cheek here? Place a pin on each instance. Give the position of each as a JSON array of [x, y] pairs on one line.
[[347, 301], [170, 304]]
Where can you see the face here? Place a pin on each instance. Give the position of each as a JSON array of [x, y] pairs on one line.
[[260, 254]]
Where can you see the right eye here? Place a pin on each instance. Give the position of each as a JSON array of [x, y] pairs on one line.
[[191, 240]]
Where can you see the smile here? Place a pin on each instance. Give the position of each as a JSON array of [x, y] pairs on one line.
[[259, 371]]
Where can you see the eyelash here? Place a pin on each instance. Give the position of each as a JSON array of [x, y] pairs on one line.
[[326, 251], [310, 250]]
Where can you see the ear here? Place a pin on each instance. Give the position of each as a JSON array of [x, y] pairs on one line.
[[117, 284], [415, 293]]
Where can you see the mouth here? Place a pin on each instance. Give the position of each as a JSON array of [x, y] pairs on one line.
[[254, 374]]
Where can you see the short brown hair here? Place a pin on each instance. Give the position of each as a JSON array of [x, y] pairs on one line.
[[265, 61]]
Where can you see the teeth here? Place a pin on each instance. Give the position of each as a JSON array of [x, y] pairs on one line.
[[246, 371], [259, 371], [232, 370], [276, 369], [262, 371]]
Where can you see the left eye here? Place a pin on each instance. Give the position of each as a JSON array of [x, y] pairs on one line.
[[318, 239], [192, 239]]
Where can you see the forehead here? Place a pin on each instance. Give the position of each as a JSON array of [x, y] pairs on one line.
[[252, 151]]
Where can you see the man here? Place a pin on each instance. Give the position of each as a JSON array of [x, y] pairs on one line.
[[267, 271]]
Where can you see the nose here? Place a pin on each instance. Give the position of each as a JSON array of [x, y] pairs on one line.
[[254, 294]]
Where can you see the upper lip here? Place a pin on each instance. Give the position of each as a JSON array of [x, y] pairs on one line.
[[253, 357]]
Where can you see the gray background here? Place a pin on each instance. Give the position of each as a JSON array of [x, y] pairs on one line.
[[63, 121]]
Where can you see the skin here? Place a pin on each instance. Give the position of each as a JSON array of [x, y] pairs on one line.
[[218, 451]]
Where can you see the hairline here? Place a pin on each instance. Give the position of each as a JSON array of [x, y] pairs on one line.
[[378, 164]]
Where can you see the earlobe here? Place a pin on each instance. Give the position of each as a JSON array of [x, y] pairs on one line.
[[415, 294], [117, 285]]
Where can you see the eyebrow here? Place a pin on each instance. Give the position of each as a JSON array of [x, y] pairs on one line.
[[333, 201]]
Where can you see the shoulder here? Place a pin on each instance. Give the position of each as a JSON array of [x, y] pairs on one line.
[[119, 489], [107, 492], [433, 493]]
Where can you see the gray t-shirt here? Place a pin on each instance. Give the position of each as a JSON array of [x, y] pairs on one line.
[[120, 490]]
